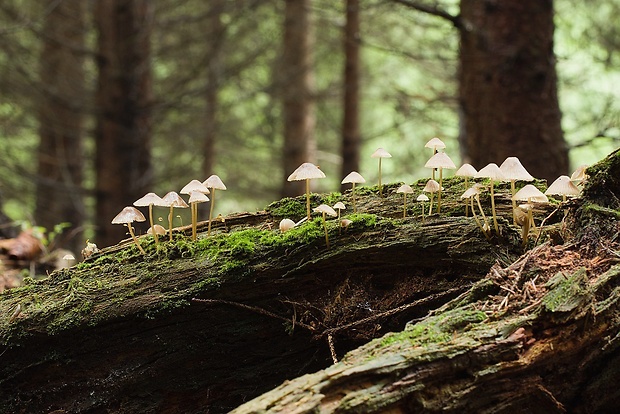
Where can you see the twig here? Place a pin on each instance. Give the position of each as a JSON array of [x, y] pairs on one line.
[[332, 349]]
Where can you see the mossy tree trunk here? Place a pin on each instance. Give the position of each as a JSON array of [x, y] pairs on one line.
[[205, 326]]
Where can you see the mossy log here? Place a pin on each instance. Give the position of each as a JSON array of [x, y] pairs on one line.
[[205, 326]]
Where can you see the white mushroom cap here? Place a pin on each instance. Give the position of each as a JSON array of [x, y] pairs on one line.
[[353, 177], [440, 160], [324, 208], [160, 230], [345, 222], [286, 224], [340, 206], [435, 143], [174, 200], [214, 182], [512, 169], [530, 193], [128, 215], [579, 174], [306, 171], [563, 186], [194, 185], [470, 192], [491, 171], [405, 189], [431, 186], [380, 153], [198, 197], [148, 199], [422, 197], [466, 170]]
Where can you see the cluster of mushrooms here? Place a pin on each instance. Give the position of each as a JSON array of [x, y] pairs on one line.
[[511, 170], [197, 192]]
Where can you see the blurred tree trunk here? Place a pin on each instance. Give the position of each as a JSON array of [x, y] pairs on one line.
[[351, 137], [214, 37], [296, 79], [59, 185], [123, 98], [508, 86]]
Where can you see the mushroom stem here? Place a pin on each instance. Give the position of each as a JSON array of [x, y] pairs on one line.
[[493, 208], [439, 193], [194, 211], [422, 211], [170, 222], [211, 210], [133, 236], [380, 189], [404, 205], [152, 225], [430, 207], [481, 212], [325, 227], [473, 211], [466, 203], [308, 198], [353, 196]]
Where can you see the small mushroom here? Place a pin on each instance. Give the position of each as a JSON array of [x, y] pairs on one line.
[[306, 171], [173, 200], [325, 209], [435, 144], [149, 200], [339, 206], [354, 178], [440, 161], [197, 186], [214, 183], [470, 194], [563, 186], [493, 173], [286, 224], [344, 223], [196, 197], [466, 171], [157, 230], [579, 175], [421, 199], [405, 189], [432, 187], [530, 194], [380, 153], [127, 216], [513, 170]]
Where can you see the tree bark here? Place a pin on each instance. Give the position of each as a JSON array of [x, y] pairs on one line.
[[296, 81], [508, 86], [351, 136], [60, 154], [123, 100]]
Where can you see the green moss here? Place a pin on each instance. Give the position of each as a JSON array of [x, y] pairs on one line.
[[566, 293], [289, 207]]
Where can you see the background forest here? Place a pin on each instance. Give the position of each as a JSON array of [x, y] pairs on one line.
[[103, 101]]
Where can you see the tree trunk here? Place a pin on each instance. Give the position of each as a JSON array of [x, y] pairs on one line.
[[204, 326], [508, 86], [351, 136], [123, 99], [296, 80], [59, 184]]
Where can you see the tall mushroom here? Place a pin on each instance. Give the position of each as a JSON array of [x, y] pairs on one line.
[[530, 194], [421, 199], [354, 178], [339, 206], [466, 171], [493, 173], [306, 171], [440, 161], [127, 216], [325, 209], [214, 183], [470, 194], [381, 154], [149, 200], [405, 189], [432, 187], [195, 186], [173, 200], [563, 186], [513, 170], [435, 144]]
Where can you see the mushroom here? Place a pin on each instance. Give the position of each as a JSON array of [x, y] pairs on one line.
[[353, 177], [432, 187], [380, 153], [440, 161], [422, 198], [339, 206], [196, 197], [493, 173], [286, 224], [325, 209], [513, 170], [579, 175], [405, 189], [150, 200], [466, 171], [530, 194], [435, 144], [194, 185], [173, 200], [470, 194], [306, 171], [214, 183], [344, 223], [563, 186], [127, 216], [156, 230]]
